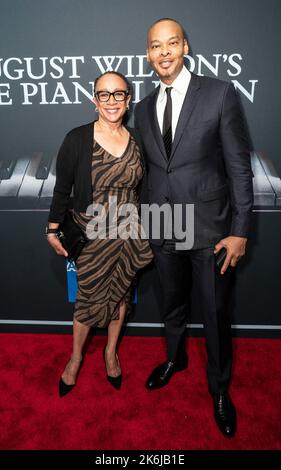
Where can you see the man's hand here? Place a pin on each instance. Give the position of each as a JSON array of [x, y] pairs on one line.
[[235, 246]]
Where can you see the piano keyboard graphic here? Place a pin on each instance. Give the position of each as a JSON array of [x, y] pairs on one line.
[[27, 183]]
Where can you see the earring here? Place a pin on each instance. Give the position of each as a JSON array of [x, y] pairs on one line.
[[128, 107], [96, 109]]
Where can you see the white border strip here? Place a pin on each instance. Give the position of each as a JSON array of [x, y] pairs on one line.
[[137, 325]]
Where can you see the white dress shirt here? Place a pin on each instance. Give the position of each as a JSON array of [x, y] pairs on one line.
[[180, 86]]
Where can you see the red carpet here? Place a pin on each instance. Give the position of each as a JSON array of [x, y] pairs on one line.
[[95, 416]]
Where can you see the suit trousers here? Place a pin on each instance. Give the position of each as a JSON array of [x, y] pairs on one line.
[[179, 271]]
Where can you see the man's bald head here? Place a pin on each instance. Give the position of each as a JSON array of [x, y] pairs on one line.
[[162, 20]]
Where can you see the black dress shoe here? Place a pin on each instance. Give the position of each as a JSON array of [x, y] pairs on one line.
[[225, 414], [162, 374], [116, 382]]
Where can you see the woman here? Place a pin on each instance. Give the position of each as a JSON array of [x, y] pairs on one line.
[[102, 162]]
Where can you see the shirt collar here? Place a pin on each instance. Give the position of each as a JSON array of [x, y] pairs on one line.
[[180, 84]]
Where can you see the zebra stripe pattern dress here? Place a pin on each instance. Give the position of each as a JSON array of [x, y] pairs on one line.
[[107, 266]]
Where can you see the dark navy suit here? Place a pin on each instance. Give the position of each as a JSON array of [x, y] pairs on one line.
[[209, 167]]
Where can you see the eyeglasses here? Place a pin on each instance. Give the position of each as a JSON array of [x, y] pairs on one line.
[[119, 95]]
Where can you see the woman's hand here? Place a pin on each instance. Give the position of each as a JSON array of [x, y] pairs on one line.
[[56, 245]]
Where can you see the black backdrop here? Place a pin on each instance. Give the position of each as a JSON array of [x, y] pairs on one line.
[[50, 53]]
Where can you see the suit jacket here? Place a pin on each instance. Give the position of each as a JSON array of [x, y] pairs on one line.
[[209, 164]]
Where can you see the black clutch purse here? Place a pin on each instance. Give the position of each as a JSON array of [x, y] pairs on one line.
[[71, 237]]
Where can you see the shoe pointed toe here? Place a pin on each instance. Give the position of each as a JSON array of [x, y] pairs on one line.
[[64, 389], [116, 382]]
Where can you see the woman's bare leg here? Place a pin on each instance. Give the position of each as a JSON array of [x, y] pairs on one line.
[[112, 361], [80, 333]]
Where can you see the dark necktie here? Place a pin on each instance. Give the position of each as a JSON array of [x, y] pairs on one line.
[[167, 123]]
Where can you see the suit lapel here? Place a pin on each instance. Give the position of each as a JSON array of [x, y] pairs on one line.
[[154, 123], [189, 103]]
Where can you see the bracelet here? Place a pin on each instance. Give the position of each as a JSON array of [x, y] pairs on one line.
[[49, 231]]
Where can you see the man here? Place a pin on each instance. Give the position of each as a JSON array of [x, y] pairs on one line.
[[196, 151]]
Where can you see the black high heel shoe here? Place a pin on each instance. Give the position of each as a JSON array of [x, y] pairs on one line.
[[116, 382], [64, 389]]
